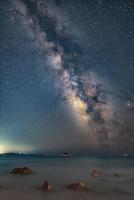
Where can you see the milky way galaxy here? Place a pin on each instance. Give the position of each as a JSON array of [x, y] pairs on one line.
[[90, 98], [83, 91]]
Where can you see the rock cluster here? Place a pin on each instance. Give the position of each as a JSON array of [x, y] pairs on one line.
[[77, 186], [23, 171]]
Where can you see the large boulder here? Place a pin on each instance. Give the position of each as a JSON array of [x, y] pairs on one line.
[[77, 186], [23, 171], [46, 187]]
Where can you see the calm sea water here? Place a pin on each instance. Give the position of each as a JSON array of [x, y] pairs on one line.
[[61, 171]]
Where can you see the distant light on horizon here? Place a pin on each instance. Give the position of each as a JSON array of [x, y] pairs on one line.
[[7, 148]]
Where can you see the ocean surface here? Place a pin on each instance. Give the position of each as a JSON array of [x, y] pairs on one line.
[[61, 171]]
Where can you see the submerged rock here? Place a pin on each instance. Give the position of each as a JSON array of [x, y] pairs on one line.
[[116, 175], [46, 187], [23, 171], [119, 191], [77, 186]]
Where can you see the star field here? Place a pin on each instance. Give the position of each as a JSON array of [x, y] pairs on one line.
[[67, 76]]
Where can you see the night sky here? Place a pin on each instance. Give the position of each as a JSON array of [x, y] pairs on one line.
[[67, 76]]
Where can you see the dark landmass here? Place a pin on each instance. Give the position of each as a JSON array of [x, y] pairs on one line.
[[30, 155], [60, 155]]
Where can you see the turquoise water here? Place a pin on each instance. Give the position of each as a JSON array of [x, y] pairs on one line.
[[61, 171]]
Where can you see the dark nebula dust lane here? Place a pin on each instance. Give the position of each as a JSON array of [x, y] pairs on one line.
[[92, 98]]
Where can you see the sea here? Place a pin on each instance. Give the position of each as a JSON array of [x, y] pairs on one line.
[[60, 172]]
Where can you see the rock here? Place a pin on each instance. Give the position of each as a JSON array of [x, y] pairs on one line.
[[46, 187], [16, 170], [96, 173], [116, 175], [77, 186], [24, 170]]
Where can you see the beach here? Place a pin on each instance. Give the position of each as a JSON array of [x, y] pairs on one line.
[[60, 172]]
